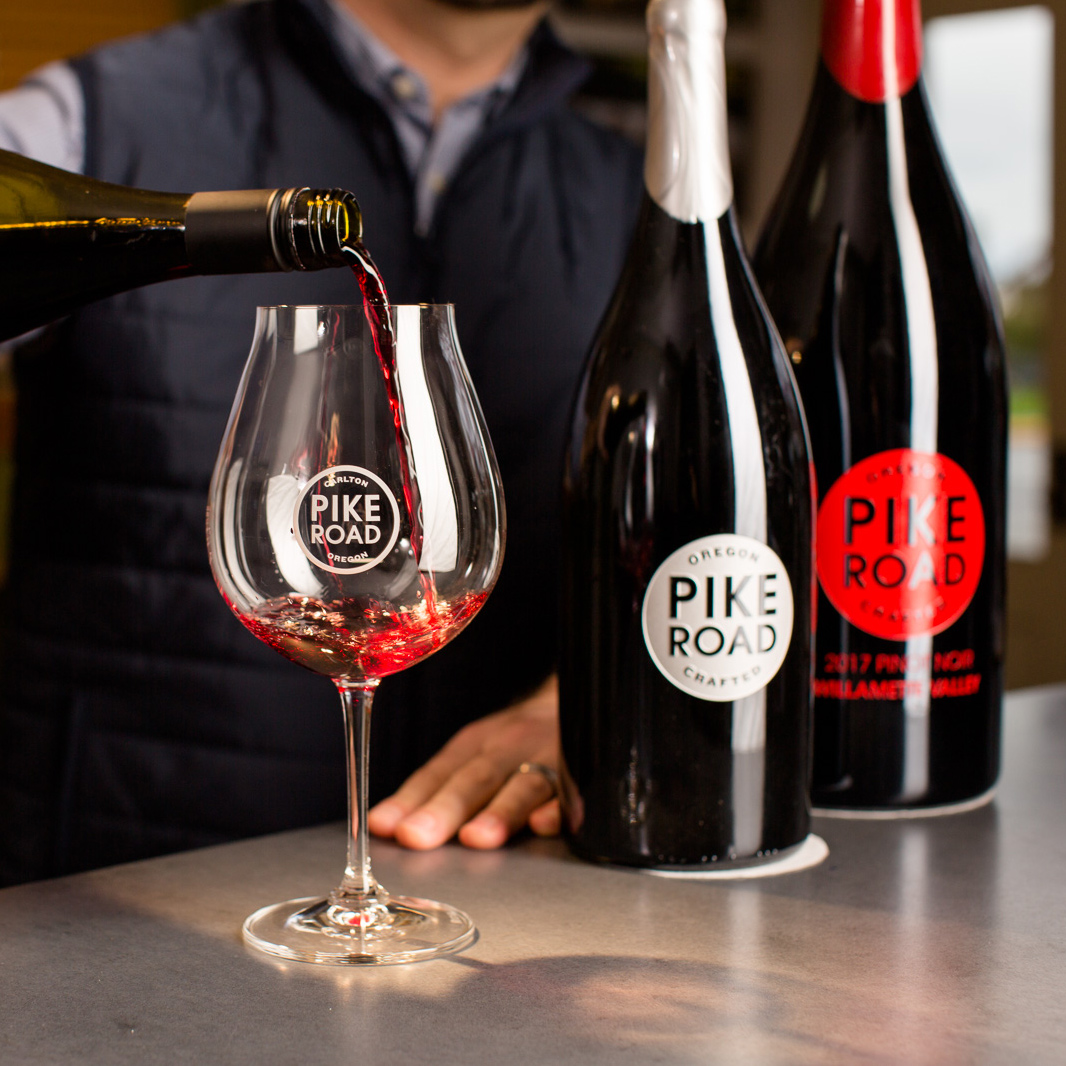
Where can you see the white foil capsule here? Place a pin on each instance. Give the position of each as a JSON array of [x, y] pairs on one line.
[[689, 177]]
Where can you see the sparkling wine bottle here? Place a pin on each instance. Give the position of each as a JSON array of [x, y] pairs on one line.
[[875, 279], [687, 564], [66, 240]]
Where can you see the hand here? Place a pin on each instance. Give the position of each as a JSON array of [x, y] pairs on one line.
[[472, 785]]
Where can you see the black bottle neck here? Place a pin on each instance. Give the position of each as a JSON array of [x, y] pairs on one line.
[[248, 231]]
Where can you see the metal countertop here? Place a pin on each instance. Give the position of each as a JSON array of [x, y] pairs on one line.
[[936, 940]]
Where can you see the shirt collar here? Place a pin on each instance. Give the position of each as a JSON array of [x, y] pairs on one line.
[[380, 72]]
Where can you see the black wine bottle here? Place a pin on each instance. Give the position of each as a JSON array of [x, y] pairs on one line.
[[687, 564], [875, 279], [66, 240]]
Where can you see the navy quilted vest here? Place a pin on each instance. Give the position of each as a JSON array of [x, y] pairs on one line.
[[138, 716]]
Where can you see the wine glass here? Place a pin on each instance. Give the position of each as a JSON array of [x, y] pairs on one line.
[[356, 525]]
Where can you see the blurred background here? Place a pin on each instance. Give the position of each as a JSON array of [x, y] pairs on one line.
[[990, 71]]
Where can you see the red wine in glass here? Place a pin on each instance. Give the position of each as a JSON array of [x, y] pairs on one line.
[[349, 636]]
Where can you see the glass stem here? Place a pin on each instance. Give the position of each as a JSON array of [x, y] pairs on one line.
[[358, 883]]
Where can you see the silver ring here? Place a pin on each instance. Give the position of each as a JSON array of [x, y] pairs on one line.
[[546, 772]]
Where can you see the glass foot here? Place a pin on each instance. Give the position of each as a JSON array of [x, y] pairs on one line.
[[398, 929]]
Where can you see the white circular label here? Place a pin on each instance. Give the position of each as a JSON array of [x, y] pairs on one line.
[[718, 616], [346, 520]]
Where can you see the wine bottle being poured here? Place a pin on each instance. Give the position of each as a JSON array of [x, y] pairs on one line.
[[66, 240]]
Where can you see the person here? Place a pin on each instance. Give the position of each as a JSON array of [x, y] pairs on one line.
[[137, 716]]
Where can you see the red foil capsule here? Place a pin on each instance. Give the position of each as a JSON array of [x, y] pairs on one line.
[[873, 48]]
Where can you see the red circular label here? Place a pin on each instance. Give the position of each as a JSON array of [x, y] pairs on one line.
[[901, 543]]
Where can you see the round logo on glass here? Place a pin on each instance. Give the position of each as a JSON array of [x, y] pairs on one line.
[[346, 520], [717, 617]]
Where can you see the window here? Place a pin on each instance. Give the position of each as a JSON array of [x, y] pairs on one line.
[[990, 78]]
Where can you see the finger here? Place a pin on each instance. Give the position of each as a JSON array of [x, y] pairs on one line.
[[383, 817], [424, 783], [507, 812], [468, 790], [546, 820]]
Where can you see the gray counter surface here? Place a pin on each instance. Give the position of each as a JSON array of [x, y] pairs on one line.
[[938, 940]]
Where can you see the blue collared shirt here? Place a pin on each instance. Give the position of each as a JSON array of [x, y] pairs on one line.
[[44, 117], [433, 151]]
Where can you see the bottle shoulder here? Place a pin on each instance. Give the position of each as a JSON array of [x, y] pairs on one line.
[[863, 180], [685, 290]]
